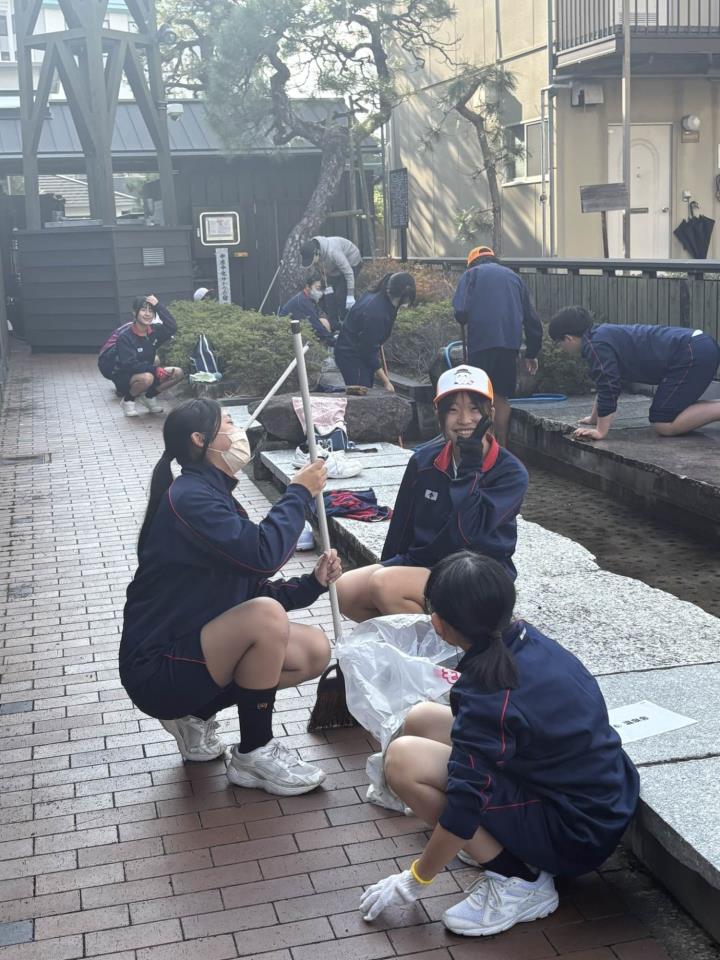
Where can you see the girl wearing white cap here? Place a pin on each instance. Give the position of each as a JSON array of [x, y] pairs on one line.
[[460, 491]]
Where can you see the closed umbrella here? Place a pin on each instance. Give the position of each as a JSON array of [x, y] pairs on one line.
[[694, 234]]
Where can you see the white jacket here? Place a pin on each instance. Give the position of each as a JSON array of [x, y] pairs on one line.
[[339, 255]]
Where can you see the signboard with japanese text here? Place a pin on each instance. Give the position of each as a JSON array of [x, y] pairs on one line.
[[219, 229], [222, 263], [398, 192]]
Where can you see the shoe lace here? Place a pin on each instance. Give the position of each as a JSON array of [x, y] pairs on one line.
[[282, 753]]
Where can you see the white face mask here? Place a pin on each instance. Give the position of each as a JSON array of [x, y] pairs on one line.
[[238, 454], [316, 295]]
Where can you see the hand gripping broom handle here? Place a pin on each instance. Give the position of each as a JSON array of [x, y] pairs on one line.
[[312, 448]]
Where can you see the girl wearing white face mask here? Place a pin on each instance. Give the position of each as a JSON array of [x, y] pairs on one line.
[[204, 627], [309, 305]]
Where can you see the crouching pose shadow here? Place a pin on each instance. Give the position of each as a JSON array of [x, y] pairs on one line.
[[522, 775], [204, 628]]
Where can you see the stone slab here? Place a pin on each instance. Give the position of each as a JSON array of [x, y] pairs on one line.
[[691, 691], [387, 455], [681, 809], [280, 464]]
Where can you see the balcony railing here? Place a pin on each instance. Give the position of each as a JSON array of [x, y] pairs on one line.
[[580, 22]]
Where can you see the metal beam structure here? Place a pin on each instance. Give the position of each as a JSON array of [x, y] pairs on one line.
[[90, 61]]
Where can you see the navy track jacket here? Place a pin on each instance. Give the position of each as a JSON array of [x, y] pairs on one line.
[[203, 556], [552, 736], [135, 353], [496, 305], [367, 325], [302, 307], [636, 352], [437, 514]]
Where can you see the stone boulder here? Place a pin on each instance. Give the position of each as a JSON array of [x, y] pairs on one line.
[[376, 417]]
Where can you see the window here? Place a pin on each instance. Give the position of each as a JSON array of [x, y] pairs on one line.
[[4, 38], [524, 145]]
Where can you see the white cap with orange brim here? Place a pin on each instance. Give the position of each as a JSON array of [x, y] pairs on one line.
[[464, 378]]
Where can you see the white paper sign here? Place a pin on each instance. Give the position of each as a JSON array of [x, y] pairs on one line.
[[222, 262], [645, 719]]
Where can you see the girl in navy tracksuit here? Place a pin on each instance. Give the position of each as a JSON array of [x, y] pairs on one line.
[[522, 772], [204, 628], [461, 490], [681, 362], [305, 306], [367, 325]]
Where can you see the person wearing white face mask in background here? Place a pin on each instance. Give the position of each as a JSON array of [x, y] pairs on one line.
[[306, 305], [204, 628]]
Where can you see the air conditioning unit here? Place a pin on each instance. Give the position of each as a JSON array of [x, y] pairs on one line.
[[587, 94]]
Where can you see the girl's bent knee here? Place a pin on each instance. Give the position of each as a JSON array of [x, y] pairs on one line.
[[397, 757], [318, 653]]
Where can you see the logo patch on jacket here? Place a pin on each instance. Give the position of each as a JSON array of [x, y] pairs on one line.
[[431, 495]]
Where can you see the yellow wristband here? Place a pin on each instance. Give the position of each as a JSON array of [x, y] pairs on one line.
[[416, 876]]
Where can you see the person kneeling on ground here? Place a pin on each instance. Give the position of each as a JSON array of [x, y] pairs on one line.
[[460, 490], [305, 306], [204, 629], [681, 362], [522, 775], [136, 374]]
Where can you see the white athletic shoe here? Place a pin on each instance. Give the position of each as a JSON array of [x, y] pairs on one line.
[[307, 539], [129, 408], [301, 458], [340, 467], [151, 403], [496, 903], [470, 861], [273, 768], [196, 739]]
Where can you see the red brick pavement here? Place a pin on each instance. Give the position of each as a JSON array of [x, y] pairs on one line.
[[110, 847]]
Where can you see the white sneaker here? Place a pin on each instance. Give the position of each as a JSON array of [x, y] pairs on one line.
[[340, 467], [196, 739], [129, 408], [470, 861], [273, 768], [151, 403], [307, 539], [496, 903], [301, 458]]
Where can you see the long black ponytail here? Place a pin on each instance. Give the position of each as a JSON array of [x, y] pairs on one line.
[[475, 596], [193, 416]]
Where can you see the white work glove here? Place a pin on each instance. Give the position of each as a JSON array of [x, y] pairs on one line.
[[328, 292], [349, 302], [396, 889]]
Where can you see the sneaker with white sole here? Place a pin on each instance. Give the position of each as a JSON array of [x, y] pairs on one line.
[[273, 768], [196, 739], [129, 408], [470, 861], [340, 467], [307, 538], [150, 403], [496, 903], [301, 457]]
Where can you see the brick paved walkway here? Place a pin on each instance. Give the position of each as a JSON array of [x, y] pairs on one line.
[[110, 846]]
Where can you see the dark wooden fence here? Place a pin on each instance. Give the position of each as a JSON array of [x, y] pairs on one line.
[[676, 293]]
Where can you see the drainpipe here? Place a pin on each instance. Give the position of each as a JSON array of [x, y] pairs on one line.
[[550, 92], [543, 171]]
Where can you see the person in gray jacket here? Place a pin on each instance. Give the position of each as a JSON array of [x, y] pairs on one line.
[[339, 261]]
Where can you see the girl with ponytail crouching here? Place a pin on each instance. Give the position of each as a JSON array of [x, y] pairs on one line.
[[522, 775], [204, 628]]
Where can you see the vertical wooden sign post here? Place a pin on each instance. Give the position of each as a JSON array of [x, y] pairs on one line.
[[399, 196]]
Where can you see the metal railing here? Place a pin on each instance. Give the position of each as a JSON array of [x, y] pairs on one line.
[[580, 22]]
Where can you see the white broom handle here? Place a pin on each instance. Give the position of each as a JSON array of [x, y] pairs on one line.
[[273, 390], [312, 449]]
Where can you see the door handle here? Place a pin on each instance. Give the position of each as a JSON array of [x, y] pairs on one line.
[[666, 210]]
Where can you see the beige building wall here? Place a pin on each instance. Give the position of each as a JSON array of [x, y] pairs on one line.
[[441, 180]]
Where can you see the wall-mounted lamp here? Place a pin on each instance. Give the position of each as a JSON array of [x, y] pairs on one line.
[[690, 128]]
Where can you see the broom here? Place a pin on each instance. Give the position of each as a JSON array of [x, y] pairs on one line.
[[330, 708]]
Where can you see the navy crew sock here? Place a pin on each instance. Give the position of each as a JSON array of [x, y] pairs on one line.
[[255, 710], [508, 865]]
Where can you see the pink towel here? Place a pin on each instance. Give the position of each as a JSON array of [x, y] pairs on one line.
[[328, 413]]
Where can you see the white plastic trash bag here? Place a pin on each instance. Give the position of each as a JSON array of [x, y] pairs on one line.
[[390, 664]]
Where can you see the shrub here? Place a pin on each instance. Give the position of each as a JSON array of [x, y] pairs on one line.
[[433, 283], [419, 334], [560, 373], [252, 349]]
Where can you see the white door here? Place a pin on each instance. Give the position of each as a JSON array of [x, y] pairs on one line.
[[650, 156]]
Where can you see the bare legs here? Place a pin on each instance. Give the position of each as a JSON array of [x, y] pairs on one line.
[[255, 646], [416, 769], [141, 382], [695, 416], [376, 591]]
